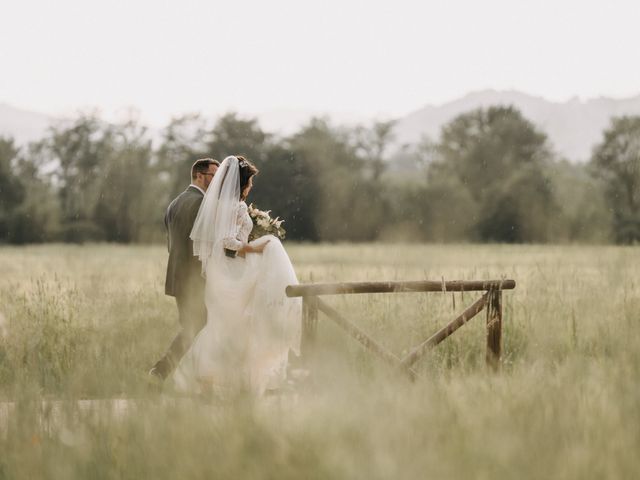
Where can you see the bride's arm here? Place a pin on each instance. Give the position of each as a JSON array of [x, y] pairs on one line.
[[254, 247], [233, 242]]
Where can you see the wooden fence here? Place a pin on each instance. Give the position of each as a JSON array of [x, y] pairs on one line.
[[491, 298]]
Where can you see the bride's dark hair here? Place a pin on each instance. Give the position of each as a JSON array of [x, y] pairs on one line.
[[247, 170]]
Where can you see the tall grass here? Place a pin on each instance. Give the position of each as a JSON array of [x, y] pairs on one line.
[[85, 323]]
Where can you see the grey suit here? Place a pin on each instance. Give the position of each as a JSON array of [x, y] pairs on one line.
[[183, 269], [184, 280]]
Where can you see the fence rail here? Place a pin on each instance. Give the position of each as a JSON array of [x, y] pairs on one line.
[[316, 289], [491, 299]]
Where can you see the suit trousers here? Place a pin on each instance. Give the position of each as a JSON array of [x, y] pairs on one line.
[[192, 315]]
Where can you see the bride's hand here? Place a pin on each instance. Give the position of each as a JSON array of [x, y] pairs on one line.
[[255, 247]]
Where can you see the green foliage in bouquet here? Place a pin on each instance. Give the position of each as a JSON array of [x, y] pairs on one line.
[[263, 224]]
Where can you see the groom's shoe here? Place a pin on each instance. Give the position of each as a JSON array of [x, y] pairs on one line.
[[155, 379]]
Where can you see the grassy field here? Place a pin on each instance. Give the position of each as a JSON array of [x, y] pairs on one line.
[[81, 323]]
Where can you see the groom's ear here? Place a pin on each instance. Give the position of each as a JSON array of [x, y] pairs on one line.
[[202, 166]]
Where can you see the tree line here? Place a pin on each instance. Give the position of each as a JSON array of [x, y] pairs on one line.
[[491, 176]]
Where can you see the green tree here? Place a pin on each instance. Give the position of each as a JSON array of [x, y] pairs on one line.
[[126, 204], [184, 140], [103, 179], [499, 159], [344, 206], [12, 191], [28, 207], [372, 144], [586, 217], [233, 135], [77, 151], [37, 218], [617, 162], [287, 185], [12, 188]]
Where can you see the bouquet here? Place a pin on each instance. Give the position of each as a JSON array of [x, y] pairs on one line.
[[263, 224]]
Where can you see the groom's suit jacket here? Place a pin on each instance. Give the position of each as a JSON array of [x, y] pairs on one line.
[[183, 269]]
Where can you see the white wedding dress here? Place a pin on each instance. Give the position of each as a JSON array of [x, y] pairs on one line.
[[251, 323]]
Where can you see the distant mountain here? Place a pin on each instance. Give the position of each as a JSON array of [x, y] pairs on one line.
[[573, 127], [23, 125], [285, 122]]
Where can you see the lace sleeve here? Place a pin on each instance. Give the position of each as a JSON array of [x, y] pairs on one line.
[[235, 242]]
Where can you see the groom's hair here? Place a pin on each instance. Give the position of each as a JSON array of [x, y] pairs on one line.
[[202, 166]]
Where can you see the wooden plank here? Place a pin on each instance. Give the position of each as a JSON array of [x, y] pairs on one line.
[[415, 354], [494, 329], [368, 342], [309, 326], [395, 287]]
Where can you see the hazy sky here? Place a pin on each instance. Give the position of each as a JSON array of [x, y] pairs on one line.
[[369, 57]]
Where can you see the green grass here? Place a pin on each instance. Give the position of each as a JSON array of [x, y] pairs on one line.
[[87, 323]]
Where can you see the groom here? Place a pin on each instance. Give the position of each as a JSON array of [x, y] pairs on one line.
[[184, 280]]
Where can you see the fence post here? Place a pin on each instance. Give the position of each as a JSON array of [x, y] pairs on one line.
[[494, 328], [309, 326]]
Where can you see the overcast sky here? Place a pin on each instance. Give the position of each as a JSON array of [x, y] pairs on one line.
[[368, 57]]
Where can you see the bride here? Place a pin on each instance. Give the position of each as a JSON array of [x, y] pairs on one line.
[[251, 324]]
